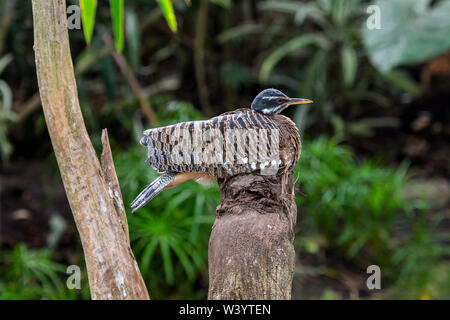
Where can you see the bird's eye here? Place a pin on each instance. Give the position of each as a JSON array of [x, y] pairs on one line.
[[280, 100]]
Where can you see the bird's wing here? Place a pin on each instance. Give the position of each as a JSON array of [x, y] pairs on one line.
[[241, 141]]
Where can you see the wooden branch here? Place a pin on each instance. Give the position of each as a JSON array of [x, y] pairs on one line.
[[112, 270], [251, 251], [110, 175]]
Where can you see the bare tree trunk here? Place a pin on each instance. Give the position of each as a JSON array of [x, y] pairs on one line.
[[93, 194], [251, 251]]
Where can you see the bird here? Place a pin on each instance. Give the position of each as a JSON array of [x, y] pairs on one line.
[[247, 140]]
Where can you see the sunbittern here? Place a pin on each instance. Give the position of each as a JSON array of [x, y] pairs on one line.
[[258, 139]]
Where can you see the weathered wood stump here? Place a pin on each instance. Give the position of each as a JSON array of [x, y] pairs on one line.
[[251, 251]]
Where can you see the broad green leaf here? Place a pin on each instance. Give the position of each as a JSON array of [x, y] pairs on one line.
[[349, 63], [167, 9], [290, 46], [117, 13], [88, 8], [411, 33]]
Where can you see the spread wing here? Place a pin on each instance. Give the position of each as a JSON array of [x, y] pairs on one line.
[[236, 142]]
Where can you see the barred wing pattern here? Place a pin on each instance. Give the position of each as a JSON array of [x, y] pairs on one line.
[[241, 141]]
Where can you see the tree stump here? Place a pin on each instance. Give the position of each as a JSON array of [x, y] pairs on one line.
[[251, 251]]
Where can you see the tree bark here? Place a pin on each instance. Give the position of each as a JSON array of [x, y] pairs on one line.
[[251, 251], [112, 270]]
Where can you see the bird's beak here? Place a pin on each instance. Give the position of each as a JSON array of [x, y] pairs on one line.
[[293, 101]]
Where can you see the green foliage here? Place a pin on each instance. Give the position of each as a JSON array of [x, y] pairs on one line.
[[418, 266], [117, 14], [167, 9], [291, 45], [359, 209], [88, 8], [32, 274], [354, 207], [404, 37], [324, 61], [353, 204]]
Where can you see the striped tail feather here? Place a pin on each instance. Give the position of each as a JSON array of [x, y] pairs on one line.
[[152, 190]]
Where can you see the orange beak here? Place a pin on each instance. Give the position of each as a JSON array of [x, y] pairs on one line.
[[293, 101]]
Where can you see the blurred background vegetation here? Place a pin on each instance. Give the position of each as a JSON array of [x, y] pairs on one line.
[[372, 182]]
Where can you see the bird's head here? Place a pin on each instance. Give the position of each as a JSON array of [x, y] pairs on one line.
[[273, 101]]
